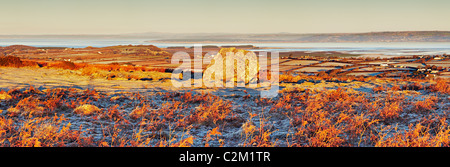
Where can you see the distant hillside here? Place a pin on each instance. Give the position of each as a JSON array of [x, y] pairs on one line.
[[17, 47], [407, 36], [404, 36]]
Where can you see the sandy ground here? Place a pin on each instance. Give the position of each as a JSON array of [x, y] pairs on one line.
[[53, 78], [41, 78]]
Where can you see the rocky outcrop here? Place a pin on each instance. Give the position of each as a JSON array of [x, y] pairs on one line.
[[240, 65]]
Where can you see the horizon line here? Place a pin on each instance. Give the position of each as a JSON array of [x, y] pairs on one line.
[[155, 32]]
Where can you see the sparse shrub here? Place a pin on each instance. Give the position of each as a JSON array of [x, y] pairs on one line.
[[263, 101], [30, 64], [338, 94], [139, 112], [4, 95], [212, 112], [7, 128], [248, 128], [28, 106], [213, 135], [417, 136], [64, 65], [89, 71], [412, 86], [258, 137], [290, 78], [378, 89], [114, 114], [10, 61], [283, 104], [391, 110], [186, 142], [327, 137], [395, 88], [52, 103], [426, 105], [442, 86], [43, 132]]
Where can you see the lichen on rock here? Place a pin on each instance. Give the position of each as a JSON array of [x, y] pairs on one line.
[[238, 66]]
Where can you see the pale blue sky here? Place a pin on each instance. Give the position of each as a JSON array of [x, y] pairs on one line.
[[234, 16]]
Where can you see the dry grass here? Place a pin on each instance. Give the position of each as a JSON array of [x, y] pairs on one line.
[[64, 65], [108, 71], [329, 118], [345, 111], [4, 95], [441, 86]]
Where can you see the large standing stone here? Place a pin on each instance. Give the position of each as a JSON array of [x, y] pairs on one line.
[[239, 66]]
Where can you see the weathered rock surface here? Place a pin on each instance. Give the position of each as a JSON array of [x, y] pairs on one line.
[[238, 66]]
